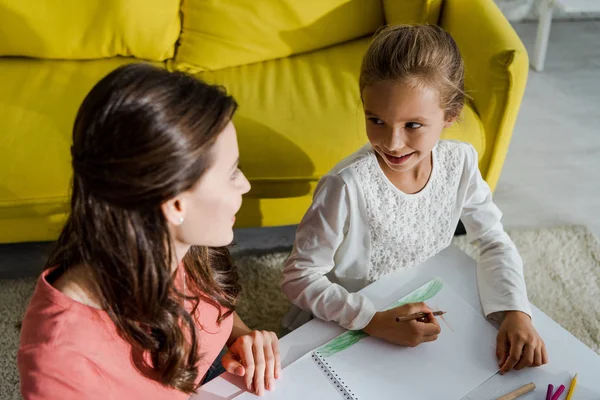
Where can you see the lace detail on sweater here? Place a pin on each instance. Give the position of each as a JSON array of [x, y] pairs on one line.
[[406, 230]]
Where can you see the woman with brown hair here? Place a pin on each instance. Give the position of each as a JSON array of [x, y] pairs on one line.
[[138, 297]]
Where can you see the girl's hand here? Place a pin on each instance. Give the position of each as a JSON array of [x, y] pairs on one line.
[[255, 356], [518, 344], [408, 333]]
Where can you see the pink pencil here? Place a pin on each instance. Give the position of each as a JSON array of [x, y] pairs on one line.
[[549, 392], [559, 391]]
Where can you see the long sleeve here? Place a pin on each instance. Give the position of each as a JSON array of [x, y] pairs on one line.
[[500, 267], [318, 237]]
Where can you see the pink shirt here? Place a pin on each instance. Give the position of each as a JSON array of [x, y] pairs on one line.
[[71, 351]]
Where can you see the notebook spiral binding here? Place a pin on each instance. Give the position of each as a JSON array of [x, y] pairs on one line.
[[333, 377]]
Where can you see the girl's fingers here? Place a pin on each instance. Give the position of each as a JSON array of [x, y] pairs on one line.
[[527, 357], [514, 355], [429, 329], [430, 338], [269, 366], [430, 318], [501, 348], [414, 308], [259, 362], [544, 354], [537, 358]]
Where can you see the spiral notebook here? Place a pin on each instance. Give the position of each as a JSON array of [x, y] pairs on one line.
[[355, 366]]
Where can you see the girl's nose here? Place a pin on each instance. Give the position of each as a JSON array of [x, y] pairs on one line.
[[395, 140]]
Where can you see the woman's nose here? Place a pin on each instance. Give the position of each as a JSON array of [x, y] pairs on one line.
[[245, 185]]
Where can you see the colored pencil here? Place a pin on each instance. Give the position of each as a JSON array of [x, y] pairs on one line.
[[549, 392], [418, 316], [559, 391], [572, 387], [519, 392]]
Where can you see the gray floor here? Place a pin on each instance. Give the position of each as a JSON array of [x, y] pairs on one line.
[[552, 172]]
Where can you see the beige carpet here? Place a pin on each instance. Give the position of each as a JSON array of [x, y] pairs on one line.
[[562, 269]]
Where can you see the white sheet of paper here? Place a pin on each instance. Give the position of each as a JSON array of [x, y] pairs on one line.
[[300, 380], [461, 359]]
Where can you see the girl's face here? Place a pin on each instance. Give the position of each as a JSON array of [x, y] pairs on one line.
[[403, 122], [209, 208]]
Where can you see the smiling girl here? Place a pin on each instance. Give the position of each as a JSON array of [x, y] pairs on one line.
[[397, 201]]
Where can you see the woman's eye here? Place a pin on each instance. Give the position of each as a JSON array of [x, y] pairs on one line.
[[236, 174], [375, 121], [413, 125]]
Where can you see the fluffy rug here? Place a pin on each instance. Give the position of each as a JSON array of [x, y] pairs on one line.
[[562, 270]]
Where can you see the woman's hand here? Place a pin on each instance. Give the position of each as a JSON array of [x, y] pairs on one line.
[[255, 356], [518, 344], [408, 333]]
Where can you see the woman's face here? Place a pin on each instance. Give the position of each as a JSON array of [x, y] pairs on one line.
[[209, 208]]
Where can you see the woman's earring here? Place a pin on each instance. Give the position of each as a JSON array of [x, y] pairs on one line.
[[180, 220]]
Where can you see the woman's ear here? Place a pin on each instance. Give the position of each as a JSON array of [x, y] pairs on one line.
[[174, 210]]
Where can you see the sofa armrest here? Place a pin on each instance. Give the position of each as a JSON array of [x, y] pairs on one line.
[[496, 68]]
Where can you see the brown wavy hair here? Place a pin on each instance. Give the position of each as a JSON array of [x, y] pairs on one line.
[[142, 136]]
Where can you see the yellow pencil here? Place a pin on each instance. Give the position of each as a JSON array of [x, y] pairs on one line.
[[572, 387]]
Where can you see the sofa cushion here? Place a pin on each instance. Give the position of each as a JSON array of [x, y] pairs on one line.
[[226, 33], [300, 115], [88, 29], [38, 103]]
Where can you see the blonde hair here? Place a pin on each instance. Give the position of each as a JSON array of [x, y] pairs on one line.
[[422, 55]]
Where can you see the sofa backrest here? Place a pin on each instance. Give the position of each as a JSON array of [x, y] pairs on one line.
[[218, 34], [225, 33], [88, 29]]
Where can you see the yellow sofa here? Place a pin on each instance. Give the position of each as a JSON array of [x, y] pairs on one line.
[[293, 67]]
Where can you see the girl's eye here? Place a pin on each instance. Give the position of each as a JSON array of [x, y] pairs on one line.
[[375, 121], [413, 125]]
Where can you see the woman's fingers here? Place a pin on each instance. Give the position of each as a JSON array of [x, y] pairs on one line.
[[269, 366], [256, 357], [259, 364], [276, 354], [247, 358], [232, 365]]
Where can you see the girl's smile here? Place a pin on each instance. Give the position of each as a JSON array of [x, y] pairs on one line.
[[398, 160]]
